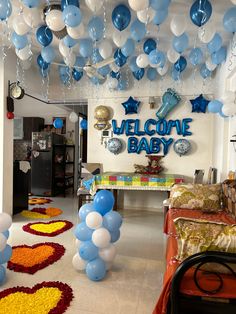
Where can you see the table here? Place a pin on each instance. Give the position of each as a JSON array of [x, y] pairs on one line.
[[134, 181]]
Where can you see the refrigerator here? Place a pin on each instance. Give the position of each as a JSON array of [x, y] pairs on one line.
[[43, 144]]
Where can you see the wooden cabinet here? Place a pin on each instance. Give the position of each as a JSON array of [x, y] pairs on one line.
[[32, 124]]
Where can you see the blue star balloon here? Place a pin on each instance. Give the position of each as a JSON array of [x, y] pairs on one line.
[[199, 104], [131, 105]]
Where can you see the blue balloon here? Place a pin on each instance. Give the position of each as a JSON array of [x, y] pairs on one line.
[[96, 269], [132, 64], [105, 70], [138, 30], [160, 16], [229, 20], [83, 232], [88, 251], [180, 43], [159, 4], [152, 74], [115, 235], [128, 48], [72, 16], [215, 106], [121, 17], [84, 124], [219, 56], [215, 43], [96, 57], [19, 41], [112, 221], [115, 75], [6, 254], [77, 75], [58, 123], [200, 12], [2, 274], [80, 62], [149, 45], [42, 63], [196, 56], [31, 3], [85, 210], [6, 233], [96, 28], [69, 41], [65, 3], [204, 71], [5, 9], [120, 59], [103, 202], [139, 74], [85, 47], [48, 54], [44, 35], [157, 57], [180, 64], [175, 74]]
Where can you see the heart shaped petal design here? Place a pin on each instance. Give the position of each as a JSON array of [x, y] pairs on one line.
[[49, 229], [30, 259], [39, 200], [44, 298], [41, 213]]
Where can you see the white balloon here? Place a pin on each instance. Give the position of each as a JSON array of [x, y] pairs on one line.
[[229, 110], [101, 237], [73, 117], [78, 263], [142, 60], [178, 25], [94, 5], [112, 83], [138, 5], [205, 34], [54, 20], [120, 38], [3, 242], [233, 1], [24, 54], [19, 25], [172, 55], [33, 17], [164, 70], [105, 49], [77, 243], [5, 222], [76, 32], [147, 15], [70, 59], [26, 65], [94, 220], [211, 66], [64, 50], [108, 254]]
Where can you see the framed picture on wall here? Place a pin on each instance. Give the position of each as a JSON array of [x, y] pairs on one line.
[[63, 129]]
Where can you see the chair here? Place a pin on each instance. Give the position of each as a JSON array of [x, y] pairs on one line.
[[88, 171]]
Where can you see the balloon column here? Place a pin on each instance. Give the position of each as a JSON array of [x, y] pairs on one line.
[[5, 249], [98, 230]]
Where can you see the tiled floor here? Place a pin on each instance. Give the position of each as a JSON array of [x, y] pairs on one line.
[[133, 284]]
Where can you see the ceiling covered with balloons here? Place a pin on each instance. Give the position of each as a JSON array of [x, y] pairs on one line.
[[104, 39]]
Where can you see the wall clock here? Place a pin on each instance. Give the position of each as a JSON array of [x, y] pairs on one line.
[[16, 91]]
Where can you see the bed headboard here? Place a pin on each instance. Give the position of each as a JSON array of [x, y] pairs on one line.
[[229, 196]]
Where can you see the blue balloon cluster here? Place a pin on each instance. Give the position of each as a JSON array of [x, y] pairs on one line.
[[98, 230], [5, 249]]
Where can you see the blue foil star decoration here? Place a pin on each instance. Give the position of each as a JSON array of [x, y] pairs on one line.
[[199, 104], [131, 105]]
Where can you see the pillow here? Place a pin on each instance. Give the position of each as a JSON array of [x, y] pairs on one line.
[[196, 196]]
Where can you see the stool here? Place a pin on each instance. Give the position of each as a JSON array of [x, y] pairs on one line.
[[84, 197]]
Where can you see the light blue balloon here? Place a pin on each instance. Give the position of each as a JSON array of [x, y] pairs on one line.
[[204, 71], [31, 3], [6, 254], [128, 48], [115, 235], [96, 57], [160, 16], [64, 73], [72, 16], [229, 20], [180, 43], [222, 115], [96, 81], [6, 234], [83, 232], [69, 41], [88, 251], [215, 106], [215, 44], [175, 74], [85, 210], [112, 221], [2, 274], [19, 41], [96, 269], [138, 30], [96, 28], [159, 4], [157, 57], [132, 64], [219, 56], [196, 56], [122, 84], [80, 62], [85, 47], [104, 71], [48, 54], [5, 9], [152, 74]]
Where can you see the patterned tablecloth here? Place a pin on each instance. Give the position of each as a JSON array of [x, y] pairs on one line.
[[134, 181]]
